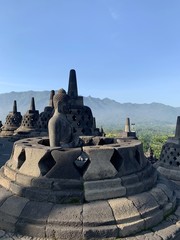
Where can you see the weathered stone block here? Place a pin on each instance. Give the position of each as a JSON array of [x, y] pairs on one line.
[[69, 196], [63, 232], [159, 196], [129, 179], [134, 188], [65, 166], [7, 222], [124, 211], [42, 182], [36, 195], [17, 151], [174, 175], [166, 190], [10, 211], [67, 184], [103, 189], [145, 204], [100, 166], [149, 182], [23, 179], [133, 158], [31, 229], [164, 171], [154, 219], [30, 166], [65, 222], [167, 230], [66, 215], [100, 232], [130, 228], [10, 173], [4, 194], [35, 212], [14, 205], [4, 181], [98, 213], [17, 189], [127, 217], [146, 172]]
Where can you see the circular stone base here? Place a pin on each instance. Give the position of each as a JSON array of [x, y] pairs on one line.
[[98, 191], [111, 218]]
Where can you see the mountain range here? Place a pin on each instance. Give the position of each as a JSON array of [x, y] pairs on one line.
[[108, 113]]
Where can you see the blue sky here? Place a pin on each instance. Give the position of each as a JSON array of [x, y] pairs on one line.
[[126, 50]]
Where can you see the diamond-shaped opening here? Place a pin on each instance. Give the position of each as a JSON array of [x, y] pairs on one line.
[[116, 160], [21, 158], [101, 142], [74, 118], [46, 164], [137, 156], [82, 163]]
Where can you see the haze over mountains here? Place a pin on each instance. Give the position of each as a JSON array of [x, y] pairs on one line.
[[108, 113]]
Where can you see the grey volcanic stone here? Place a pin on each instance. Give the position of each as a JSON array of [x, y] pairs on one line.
[[98, 221], [145, 203], [100, 166], [96, 190], [32, 220], [4, 194], [65, 222], [127, 217], [10, 210], [64, 167]]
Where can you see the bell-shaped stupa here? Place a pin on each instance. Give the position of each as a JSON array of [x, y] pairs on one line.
[[13, 121]]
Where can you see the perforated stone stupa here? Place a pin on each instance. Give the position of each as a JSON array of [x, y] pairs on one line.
[[13, 121], [99, 188], [80, 116], [42, 123], [29, 121], [169, 162]]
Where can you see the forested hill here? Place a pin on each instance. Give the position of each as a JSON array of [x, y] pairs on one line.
[[108, 113]]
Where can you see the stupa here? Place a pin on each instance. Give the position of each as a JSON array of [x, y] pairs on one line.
[[127, 130], [77, 113], [68, 186], [13, 121], [169, 161], [29, 122], [42, 123]]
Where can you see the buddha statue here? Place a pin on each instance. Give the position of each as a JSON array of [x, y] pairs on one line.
[[60, 130]]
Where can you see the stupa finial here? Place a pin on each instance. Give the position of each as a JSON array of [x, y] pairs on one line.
[[15, 107], [51, 98], [127, 125], [177, 132], [72, 88], [32, 106]]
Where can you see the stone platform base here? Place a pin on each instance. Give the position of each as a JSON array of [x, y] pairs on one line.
[[169, 229], [103, 191], [114, 218]]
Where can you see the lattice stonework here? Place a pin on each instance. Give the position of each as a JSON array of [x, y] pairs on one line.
[[170, 155]]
